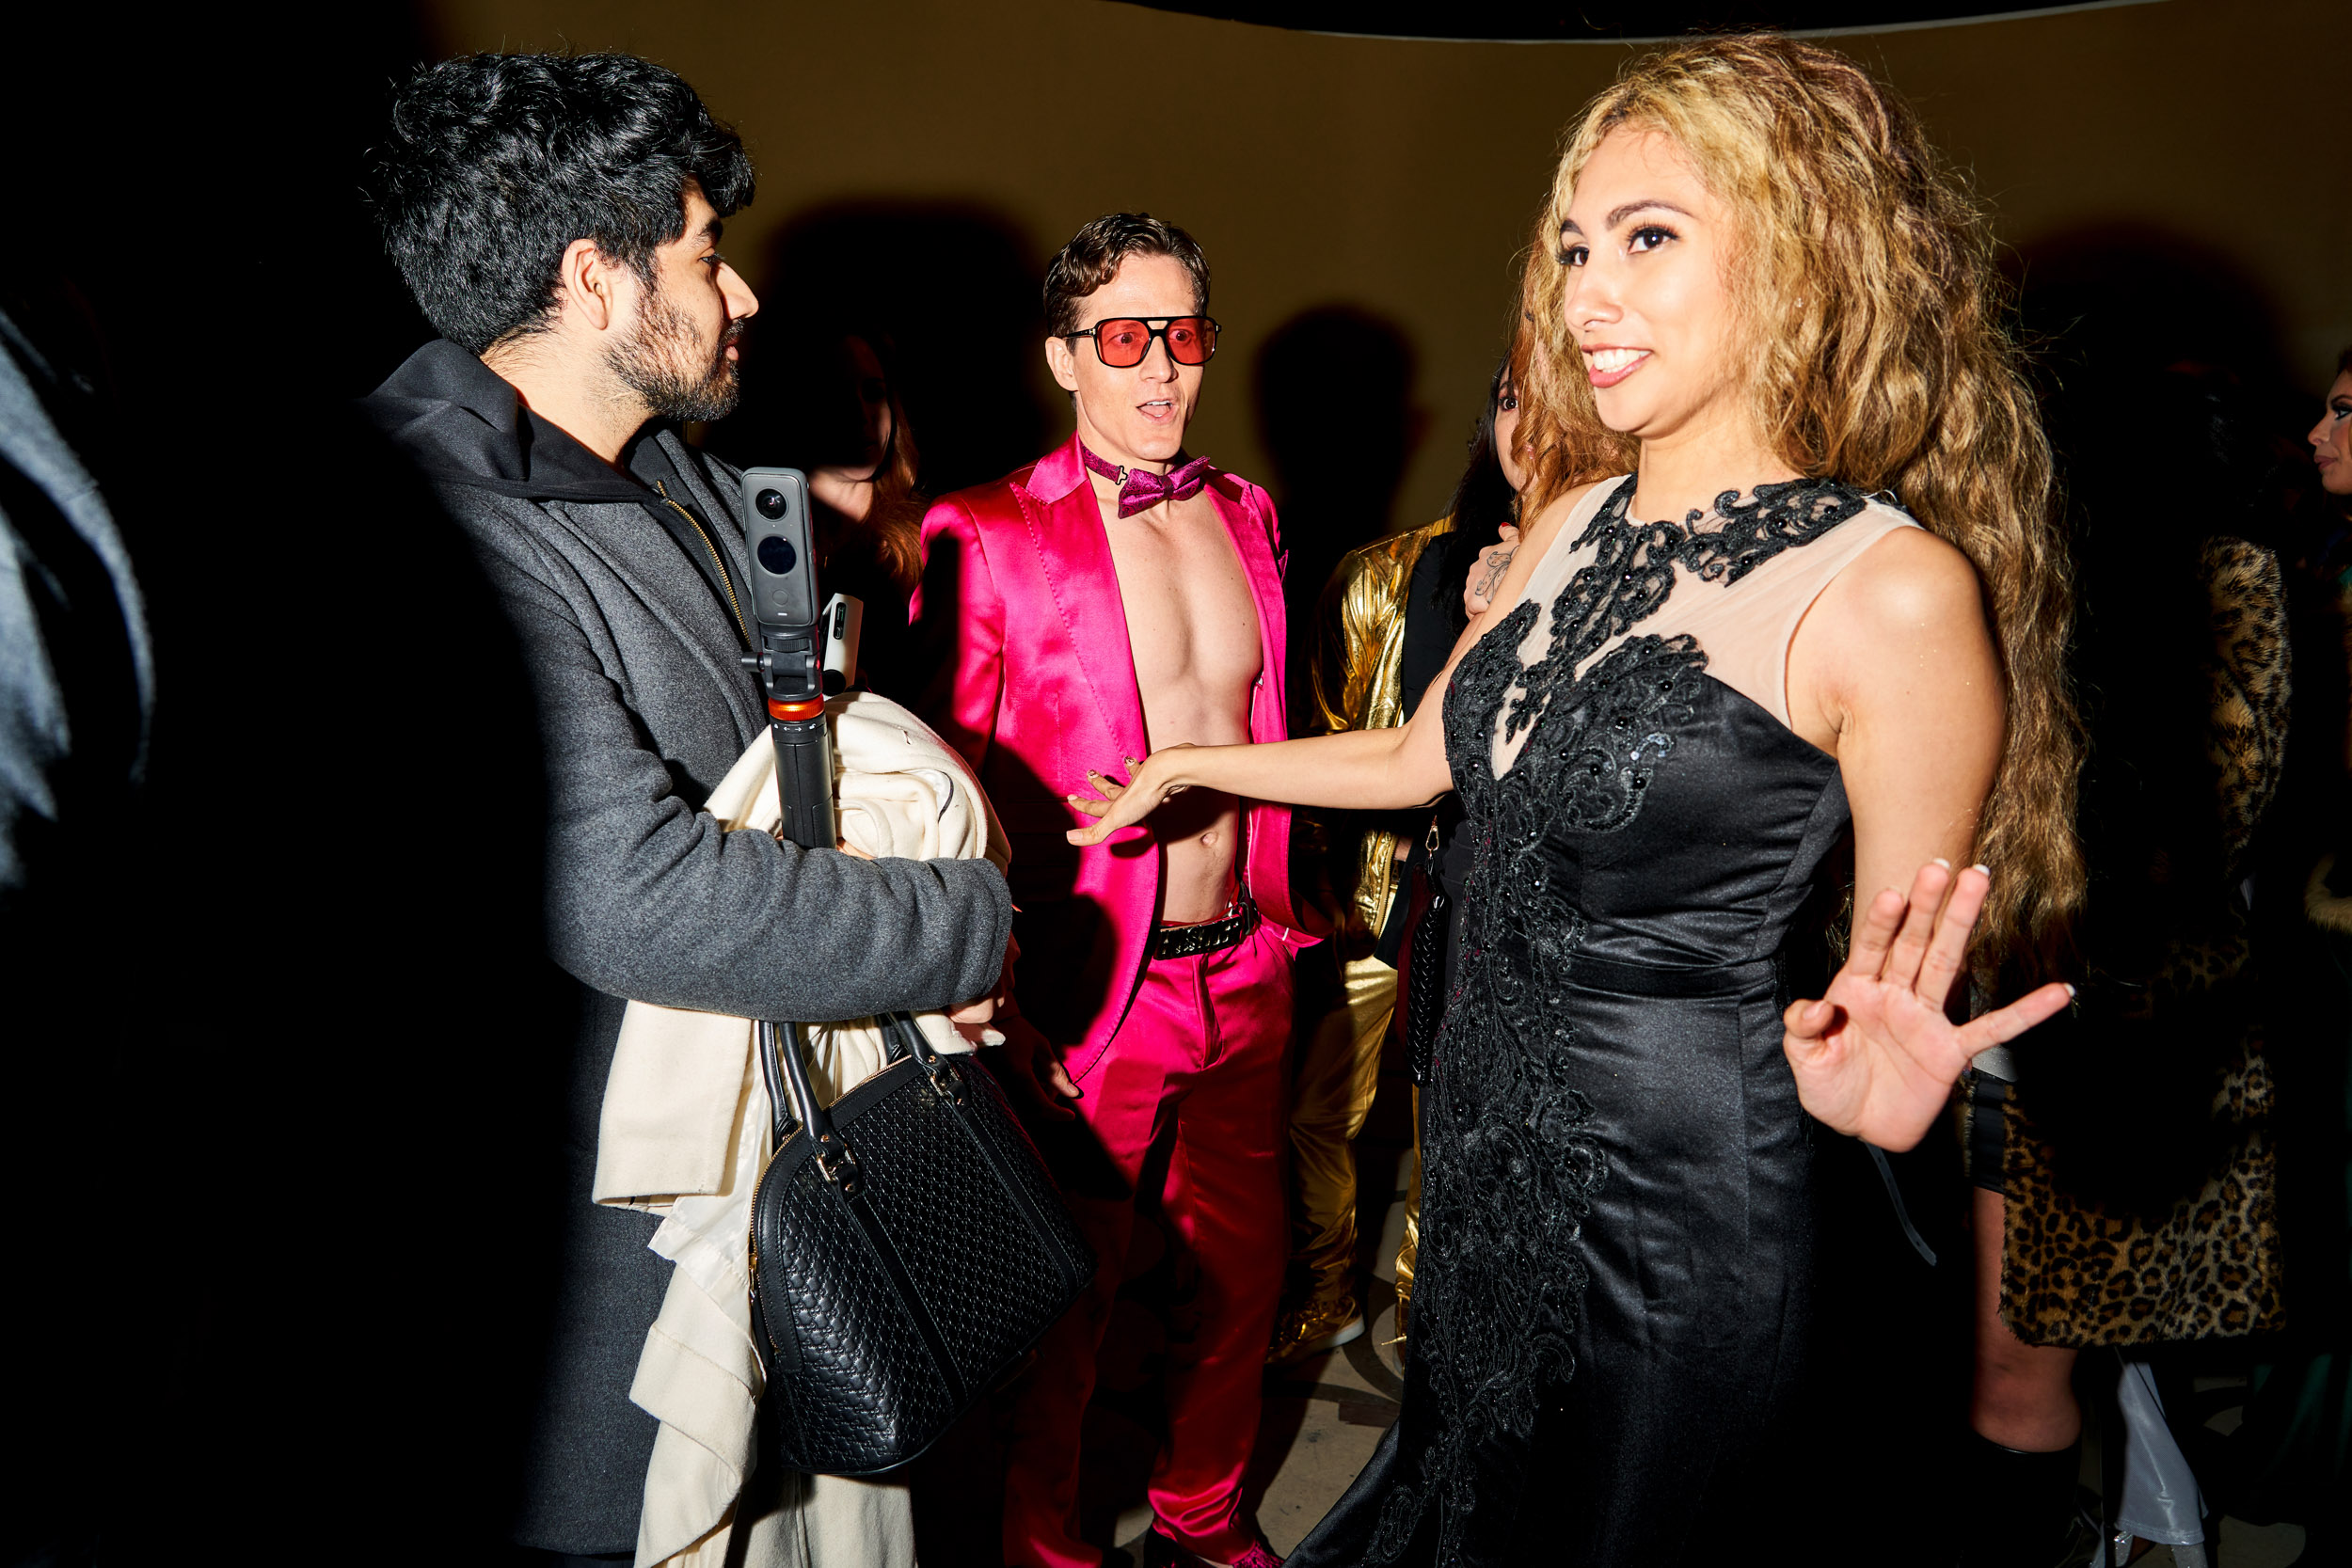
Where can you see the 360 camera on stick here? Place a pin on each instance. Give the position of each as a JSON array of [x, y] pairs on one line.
[[793, 628]]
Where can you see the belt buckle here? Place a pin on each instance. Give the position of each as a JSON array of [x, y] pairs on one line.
[[1208, 936]]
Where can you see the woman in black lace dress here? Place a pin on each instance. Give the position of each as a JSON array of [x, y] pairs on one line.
[[1768, 314]]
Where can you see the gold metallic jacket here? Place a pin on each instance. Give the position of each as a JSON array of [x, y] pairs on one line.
[[1358, 655]]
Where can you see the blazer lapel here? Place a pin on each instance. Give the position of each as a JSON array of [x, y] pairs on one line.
[[1267, 872], [1256, 550], [641, 552], [718, 509], [1067, 528]]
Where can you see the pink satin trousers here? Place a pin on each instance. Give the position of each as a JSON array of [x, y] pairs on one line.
[[1202, 1051]]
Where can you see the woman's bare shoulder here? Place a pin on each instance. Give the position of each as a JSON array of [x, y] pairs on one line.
[[1561, 505], [1908, 581]]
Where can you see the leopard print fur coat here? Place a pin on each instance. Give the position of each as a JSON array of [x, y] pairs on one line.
[[2079, 1271]]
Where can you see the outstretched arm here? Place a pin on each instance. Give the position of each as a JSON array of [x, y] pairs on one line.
[[1361, 771], [1355, 769], [1894, 667], [1352, 769]]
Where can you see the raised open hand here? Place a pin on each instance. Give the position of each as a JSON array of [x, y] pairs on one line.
[[1147, 788], [1877, 1057]]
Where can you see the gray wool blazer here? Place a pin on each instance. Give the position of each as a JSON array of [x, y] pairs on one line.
[[643, 706]]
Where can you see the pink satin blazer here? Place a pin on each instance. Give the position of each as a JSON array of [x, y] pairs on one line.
[[1021, 612]]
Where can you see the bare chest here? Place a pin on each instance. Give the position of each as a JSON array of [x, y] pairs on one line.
[[1191, 622]]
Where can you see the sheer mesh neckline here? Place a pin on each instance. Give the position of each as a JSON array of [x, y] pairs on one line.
[[1746, 585]]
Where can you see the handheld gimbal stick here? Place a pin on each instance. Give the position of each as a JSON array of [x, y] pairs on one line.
[[795, 639], [791, 659], [791, 665]]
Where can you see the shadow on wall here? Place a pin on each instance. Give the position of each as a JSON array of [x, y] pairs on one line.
[[2105, 306], [951, 291], [2109, 313], [1337, 414]]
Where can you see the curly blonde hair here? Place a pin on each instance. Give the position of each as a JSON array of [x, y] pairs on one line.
[[1873, 320]]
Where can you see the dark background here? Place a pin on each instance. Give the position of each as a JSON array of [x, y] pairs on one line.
[[277, 1144], [925, 158], [1536, 21]]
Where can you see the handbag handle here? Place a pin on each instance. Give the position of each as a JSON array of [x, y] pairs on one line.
[[793, 1104]]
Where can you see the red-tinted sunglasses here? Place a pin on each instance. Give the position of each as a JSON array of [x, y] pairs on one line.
[[1121, 341]]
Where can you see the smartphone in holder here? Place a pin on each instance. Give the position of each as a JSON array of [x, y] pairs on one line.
[[845, 620], [791, 655]]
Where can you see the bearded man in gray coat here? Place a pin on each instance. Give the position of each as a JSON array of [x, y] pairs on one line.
[[558, 219]]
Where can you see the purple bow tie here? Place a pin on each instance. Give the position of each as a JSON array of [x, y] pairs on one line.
[[1140, 490]]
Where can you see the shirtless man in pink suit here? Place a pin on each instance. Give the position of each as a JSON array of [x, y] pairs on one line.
[[1111, 598]]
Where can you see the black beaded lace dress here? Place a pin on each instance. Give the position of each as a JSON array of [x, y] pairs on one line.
[[1610, 1296]]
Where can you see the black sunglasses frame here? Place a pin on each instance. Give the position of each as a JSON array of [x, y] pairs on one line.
[[1159, 332]]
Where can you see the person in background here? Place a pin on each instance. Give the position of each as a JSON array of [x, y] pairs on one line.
[[77, 689], [2331, 438], [1115, 596], [2125, 1159], [869, 508], [838, 416], [1385, 620], [1329, 508], [2291, 1456], [77, 679]]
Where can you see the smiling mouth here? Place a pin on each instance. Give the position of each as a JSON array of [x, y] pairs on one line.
[[1158, 408], [1608, 366]]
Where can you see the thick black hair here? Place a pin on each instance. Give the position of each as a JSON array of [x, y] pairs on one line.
[[1092, 256], [1483, 502], [496, 163]]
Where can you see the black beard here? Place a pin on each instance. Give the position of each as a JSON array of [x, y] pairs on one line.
[[651, 364]]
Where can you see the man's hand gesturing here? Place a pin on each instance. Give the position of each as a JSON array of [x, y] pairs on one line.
[[1039, 1076]]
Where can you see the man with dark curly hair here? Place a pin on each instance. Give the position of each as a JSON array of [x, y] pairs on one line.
[[558, 219]]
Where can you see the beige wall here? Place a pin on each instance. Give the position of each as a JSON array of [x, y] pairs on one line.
[[1399, 176]]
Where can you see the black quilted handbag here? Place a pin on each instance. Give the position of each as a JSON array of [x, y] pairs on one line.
[[908, 1247]]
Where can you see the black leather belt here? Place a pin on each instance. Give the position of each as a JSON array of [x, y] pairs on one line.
[[1214, 936]]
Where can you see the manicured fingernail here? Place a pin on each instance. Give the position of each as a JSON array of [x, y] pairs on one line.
[[1942, 862], [1986, 869], [2070, 990]]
